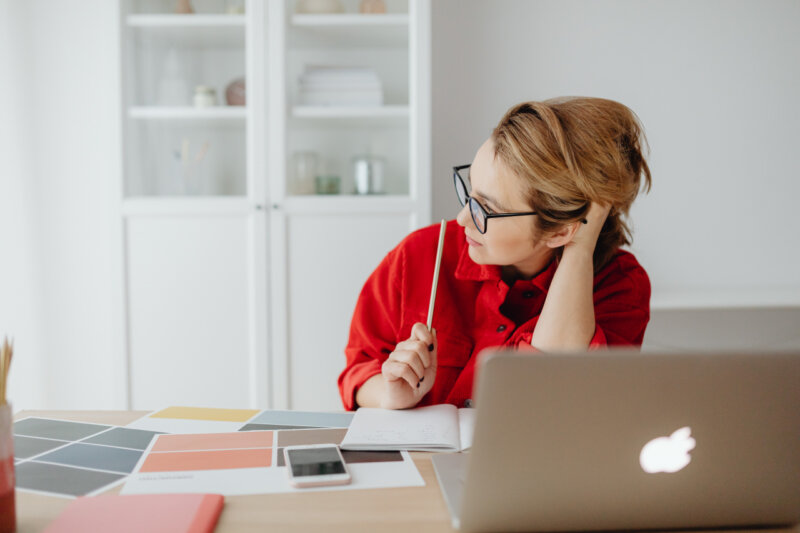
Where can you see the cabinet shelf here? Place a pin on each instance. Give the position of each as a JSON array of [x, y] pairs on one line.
[[195, 31], [186, 21], [350, 20], [188, 113], [386, 112], [386, 30]]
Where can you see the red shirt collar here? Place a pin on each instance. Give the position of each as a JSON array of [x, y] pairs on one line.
[[467, 269]]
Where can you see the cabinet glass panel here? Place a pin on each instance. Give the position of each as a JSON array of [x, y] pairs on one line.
[[342, 150], [186, 158], [185, 98], [347, 92]]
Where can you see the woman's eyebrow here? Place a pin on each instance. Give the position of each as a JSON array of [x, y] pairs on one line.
[[490, 200]]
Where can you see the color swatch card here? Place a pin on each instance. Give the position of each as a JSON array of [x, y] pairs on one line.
[[213, 420], [69, 459], [195, 420], [251, 462]]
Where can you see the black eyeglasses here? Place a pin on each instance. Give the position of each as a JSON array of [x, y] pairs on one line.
[[479, 215]]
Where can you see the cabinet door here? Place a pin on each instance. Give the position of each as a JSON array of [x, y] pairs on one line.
[[189, 310], [329, 259]]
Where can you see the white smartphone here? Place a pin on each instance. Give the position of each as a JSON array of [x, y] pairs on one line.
[[315, 465]]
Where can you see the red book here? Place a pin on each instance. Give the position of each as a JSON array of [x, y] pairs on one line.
[[154, 513]]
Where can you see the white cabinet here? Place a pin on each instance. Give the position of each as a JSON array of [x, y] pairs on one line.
[[188, 309], [329, 258], [238, 289]]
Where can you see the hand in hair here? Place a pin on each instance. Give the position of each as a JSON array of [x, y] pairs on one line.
[[586, 235]]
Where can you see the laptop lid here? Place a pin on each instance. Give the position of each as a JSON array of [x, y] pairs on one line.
[[561, 441]]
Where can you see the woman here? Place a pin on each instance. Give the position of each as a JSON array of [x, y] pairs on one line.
[[532, 261]]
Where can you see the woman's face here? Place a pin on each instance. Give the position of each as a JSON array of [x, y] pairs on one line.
[[509, 241]]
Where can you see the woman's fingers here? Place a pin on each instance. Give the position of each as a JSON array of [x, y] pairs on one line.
[[420, 332], [419, 347], [395, 370], [412, 359]]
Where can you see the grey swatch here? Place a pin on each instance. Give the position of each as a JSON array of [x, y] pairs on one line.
[[300, 437], [95, 456], [56, 429], [137, 439], [61, 479], [304, 418], [273, 427], [25, 447], [359, 456]]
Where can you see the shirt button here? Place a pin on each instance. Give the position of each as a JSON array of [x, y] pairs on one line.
[[527, 294], [468, 403], [501, 328]]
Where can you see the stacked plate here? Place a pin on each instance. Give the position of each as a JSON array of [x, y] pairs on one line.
[[323, 85]]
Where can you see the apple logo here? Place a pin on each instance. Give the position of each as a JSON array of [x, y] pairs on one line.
[[668, 454]]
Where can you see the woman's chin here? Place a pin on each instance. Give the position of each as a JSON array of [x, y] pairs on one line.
[[476, 254]]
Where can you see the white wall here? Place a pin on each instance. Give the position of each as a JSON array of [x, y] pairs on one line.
[[57, 215], [715, 83], [20, 229]]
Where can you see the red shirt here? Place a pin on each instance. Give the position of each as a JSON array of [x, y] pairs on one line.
[[474, 309]]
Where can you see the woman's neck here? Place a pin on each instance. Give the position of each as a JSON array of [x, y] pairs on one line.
[[528, 270]]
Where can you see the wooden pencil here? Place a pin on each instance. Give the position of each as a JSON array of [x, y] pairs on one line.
[[436, 272]]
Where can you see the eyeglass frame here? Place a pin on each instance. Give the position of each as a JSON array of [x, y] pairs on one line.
[[469, 199]]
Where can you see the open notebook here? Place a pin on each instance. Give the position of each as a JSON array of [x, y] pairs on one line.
[[436, 428]]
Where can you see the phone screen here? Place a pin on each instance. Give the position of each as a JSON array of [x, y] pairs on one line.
[[315, 462]]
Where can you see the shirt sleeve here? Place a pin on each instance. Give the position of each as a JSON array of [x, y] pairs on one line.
[[598, 340], [622, 309], [374, 327]]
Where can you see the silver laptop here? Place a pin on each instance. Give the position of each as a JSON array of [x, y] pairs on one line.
[[627, 440]]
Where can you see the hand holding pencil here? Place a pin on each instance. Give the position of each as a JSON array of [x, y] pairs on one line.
[[410, 370]]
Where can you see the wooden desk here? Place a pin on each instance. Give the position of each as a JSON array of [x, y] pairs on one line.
[[410, 510]]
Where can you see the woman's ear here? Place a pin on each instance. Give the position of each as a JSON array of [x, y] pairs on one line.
[[563, 236]]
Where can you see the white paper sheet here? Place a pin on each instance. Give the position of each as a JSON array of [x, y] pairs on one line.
[[271, 480], [466, 425], [265, 480], [432, 428]]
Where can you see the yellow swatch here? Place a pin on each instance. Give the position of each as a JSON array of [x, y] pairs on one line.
[[207, 413]]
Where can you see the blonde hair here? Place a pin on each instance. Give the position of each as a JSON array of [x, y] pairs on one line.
[[572, 151]]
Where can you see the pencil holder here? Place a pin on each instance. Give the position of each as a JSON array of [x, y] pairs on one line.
[[8, 515]]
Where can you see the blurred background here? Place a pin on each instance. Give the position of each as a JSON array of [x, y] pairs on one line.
[[192, 192]]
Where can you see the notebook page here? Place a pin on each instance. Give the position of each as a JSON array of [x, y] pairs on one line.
[[466, 424], [431, 428]]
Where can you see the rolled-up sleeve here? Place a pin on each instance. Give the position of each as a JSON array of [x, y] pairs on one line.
[[622, 309], [374, 327], [621, 312]]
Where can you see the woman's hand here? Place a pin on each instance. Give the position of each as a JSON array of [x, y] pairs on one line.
[[410, 370], [587, 234]]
